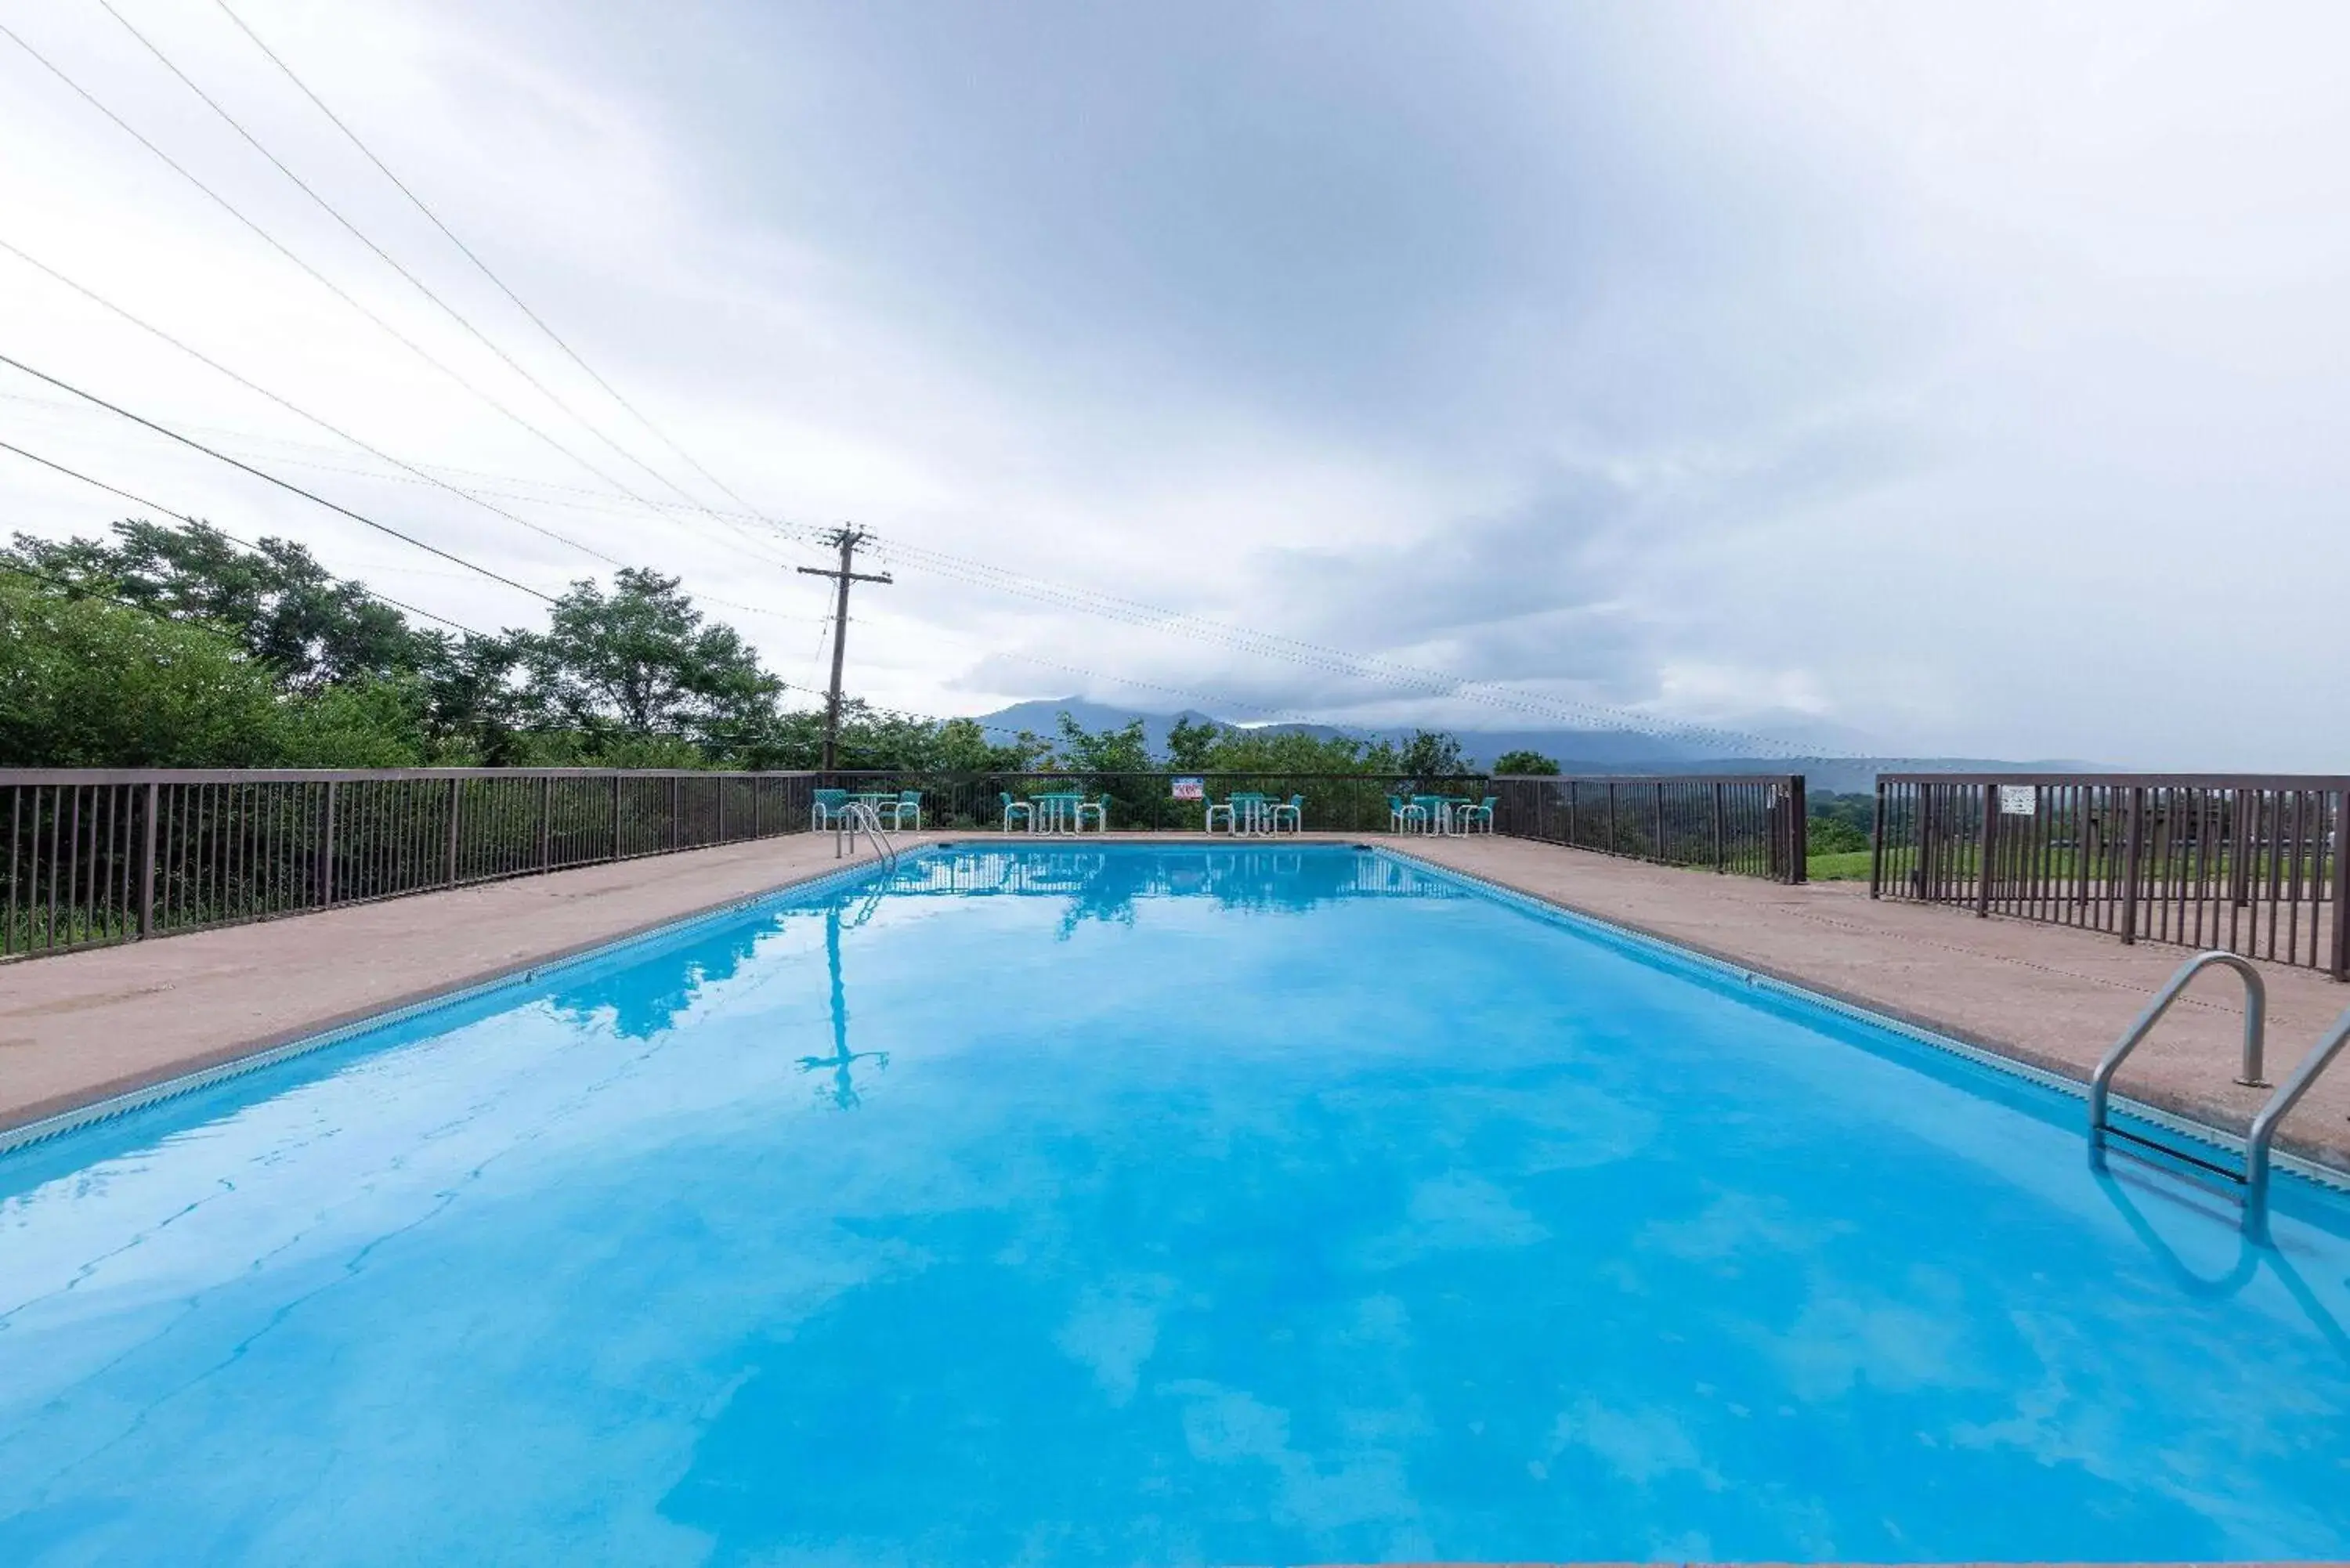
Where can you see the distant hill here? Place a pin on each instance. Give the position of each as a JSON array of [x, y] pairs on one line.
[[1577, 750]]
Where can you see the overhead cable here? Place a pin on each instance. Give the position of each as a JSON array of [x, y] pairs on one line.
[[283, 484], [418, 470], [483, 267], [197, 522], [313, 273]]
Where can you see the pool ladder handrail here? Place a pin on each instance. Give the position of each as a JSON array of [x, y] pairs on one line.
[[2256, 1007], [2259, 1143], [859, 817], [2264, 1126]]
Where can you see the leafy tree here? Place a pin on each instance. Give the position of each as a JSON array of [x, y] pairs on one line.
[[1530, 764], [363, 723], [1431, 755], [472, 711], [1120, 751], [1190, 745], [310, 628], [1840, 824], [88, 683], [642, 662], [961, 746]]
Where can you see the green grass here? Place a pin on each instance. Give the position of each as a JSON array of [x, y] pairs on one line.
[[1849, 866]]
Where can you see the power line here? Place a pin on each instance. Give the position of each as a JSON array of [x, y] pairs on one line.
[[419, 471], [469, 253], [313, 273], [387, 259], [594, 501], [282, 484], [194, 522]]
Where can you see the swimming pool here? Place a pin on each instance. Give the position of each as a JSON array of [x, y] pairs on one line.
[[1148, 1204]]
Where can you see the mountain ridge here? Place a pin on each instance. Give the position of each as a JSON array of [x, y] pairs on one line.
[[1618, 752]]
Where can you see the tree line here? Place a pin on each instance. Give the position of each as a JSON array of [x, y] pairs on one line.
[[174, 645]]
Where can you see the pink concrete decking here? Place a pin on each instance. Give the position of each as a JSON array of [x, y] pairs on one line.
[[85, 1026]]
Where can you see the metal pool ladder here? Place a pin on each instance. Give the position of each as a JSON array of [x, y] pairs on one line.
[[2258, 1142], [859, 817]]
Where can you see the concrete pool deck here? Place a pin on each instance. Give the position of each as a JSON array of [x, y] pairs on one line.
[[83, 1027]]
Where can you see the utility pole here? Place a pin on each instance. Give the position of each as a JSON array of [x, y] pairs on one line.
[[847, 539]]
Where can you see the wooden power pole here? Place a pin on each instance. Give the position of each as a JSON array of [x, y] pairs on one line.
[[847, 539]]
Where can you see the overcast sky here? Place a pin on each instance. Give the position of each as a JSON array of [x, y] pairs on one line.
[[1946, 380]]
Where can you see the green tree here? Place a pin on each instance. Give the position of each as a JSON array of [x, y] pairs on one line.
[[1841, 824], [1120, 751], [365, 723], [1431, 754], [1530, 764], [1296, 751], [1191, 745], [640, 661], [310, 628], [88, 683]]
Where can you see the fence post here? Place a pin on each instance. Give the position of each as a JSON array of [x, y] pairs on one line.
[[1982, 852], [674, 828], [1573, 788], [147, 870], [720, 784], [2240, 868], [1612, 848], [1877, 843], [2134, 849], [1661, 857], [327, 850], [1721, 863], [545, 821], [615, 815], [2341, 884], [1799, 832], [456, 795]]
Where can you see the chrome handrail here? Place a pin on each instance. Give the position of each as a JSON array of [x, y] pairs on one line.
[[857, 817], [2264, 1126], [2256, 1001]]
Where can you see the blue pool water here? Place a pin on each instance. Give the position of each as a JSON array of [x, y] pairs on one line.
[[1147, 1205]]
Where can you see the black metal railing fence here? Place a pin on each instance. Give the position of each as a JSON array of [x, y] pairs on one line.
[[1746, 825], [97, 857], [2251, 863]]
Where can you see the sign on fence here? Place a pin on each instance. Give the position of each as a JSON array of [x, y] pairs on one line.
[[1188, 789], [2018, 800]]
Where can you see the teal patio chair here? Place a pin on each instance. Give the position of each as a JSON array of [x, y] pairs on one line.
[[825, 806], [1100, 811], [1406, 816], [906, 811], [1477, 817], [1291, 811], [1018, 811]]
